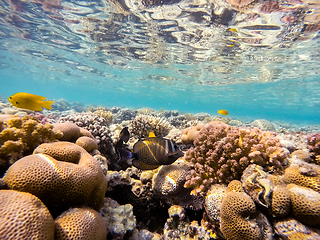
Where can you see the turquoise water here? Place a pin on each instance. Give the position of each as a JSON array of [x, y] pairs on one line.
[[100, 53]]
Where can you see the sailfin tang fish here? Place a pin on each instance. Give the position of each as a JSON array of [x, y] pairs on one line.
[[151, 152], [30, 101], [223, 112]]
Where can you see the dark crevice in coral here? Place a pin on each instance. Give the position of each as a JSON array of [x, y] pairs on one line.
[[194, 215], [150, 213]]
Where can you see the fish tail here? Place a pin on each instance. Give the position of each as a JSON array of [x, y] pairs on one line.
[[47, 104], [124, 155]]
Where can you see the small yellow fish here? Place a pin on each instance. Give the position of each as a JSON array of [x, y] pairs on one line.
[[30, 101], [223, 112], [233, 30]]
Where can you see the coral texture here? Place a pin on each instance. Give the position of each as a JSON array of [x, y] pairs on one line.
[[98, 127], [80, 223], [142, 125], [20, 136], [305, 204], [281, 203], [213, 201], [190, 134], [119, 218], [263, 124], [221, 153], [70, 131], [313, 144], [63, 175], [23, 216], [240, 218], [306, 175]]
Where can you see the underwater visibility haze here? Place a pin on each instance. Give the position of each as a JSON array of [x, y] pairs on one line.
[[256, 59]]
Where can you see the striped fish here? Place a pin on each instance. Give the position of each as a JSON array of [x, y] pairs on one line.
[[151, 152]]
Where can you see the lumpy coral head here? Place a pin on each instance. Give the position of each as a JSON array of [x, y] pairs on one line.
[[24, 216], [80, 223], [70, 178], [221, 153]]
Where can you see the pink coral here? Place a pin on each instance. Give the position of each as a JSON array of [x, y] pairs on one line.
[[221, 153], [313, 143]]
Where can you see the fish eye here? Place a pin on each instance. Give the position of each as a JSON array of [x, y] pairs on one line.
[[16, 102], [10, 97]]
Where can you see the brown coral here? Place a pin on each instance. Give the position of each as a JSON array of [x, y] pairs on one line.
[[89, 144], [306, 175], [280, 204], [222, 152], [70, 131], [68, 177], [80, 223], [305, 204], [20, 136], [236, 209], [23, 216], [190, 134]]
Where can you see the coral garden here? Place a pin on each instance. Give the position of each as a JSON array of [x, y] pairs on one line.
[[61, 179]]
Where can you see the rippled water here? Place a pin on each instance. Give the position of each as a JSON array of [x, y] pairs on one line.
[[258, 59]]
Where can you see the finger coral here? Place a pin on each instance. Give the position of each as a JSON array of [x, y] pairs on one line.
[[80, 223], [24, 216], [142, 125], [221, 153], [20, 136], [313, 144], [64, 175]]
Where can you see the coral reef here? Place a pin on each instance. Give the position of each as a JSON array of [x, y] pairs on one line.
[[119, 218], [20, 136], [102, 112], [313, 144], [281, 203], [213, 201], [221, 153], [63, 170], [24, 216], [190, 134], [263, 124], [80, 223], [98, 127], [124, 114], [240, 218], [70, 131], [142, 125]]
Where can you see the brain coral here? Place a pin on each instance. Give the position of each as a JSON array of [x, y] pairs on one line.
[[306, 175], [221, 153], [23, 216], [80, 223], [233, 225], [20, 136], [98, 127], [305, 204], [64, 175], [142, 125]]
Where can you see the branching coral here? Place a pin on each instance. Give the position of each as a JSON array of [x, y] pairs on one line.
[[221, 153], [313, 144], [142, 125], [20, 136]]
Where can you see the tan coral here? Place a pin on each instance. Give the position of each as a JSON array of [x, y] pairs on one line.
[[80, 223], [235, 186], [68, 177], [70, 131], [280, 204], [306, 175], [24, 216], [190, 134], [235, 223], [305, 204], [89, 144]]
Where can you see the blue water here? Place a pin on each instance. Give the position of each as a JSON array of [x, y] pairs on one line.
[[44, 55]]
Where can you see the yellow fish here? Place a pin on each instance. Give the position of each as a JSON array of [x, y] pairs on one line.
[[30, 101], [223, 112]]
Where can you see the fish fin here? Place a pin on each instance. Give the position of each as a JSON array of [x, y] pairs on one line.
[[124, 134], [47, 105], [139, 164], [124, 155], [172, 157], [151, 134], [33, 97]]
